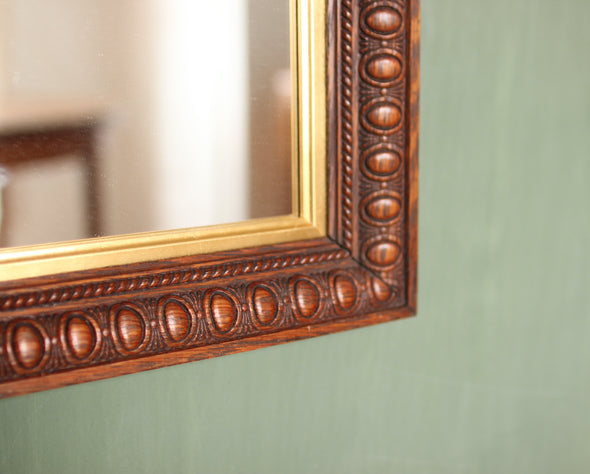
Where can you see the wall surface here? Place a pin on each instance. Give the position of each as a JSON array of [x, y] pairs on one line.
[[494, 374]]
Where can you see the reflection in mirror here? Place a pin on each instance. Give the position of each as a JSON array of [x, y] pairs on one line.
[[140, 115]]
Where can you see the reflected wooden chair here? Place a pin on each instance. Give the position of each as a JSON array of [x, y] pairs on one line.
[[46, 130]]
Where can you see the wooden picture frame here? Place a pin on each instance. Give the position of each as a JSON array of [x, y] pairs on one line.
[[67, 328]]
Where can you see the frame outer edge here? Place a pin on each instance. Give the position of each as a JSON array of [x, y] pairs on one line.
[[413, 154], [91, 374]]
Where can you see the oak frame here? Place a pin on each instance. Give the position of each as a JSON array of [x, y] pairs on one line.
[[70, 328]]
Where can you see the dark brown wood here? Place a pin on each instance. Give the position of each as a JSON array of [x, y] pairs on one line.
[[70, 328]]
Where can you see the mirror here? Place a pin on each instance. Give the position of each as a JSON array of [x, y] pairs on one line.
[[345, 258], [119, 117]]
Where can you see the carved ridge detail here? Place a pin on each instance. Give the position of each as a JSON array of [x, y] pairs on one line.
[[347, 129], [13, 300]]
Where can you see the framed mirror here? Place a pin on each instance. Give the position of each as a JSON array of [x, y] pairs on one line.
[[78, 311]]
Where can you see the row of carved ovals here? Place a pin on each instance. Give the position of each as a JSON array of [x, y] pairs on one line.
[[28, 343], [382, 68], [382, 115]]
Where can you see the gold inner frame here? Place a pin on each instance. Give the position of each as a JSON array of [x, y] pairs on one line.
[[309, 217]]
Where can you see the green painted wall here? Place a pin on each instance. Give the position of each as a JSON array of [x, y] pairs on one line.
[[494, 374]]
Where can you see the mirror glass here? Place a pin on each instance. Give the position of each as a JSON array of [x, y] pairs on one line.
[[123, 116]]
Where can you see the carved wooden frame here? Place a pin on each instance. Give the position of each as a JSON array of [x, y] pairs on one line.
[[70, 328]]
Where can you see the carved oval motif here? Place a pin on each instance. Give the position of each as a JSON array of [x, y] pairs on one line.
[[383, 163], [345, 291], [384, 116], [223, 312], [28, 345], [383, 208], [384, 68], [80, 337], [130, 329], [265, 305], [381, 291], [177, 320], [383, 253], [307, 298], [384, 21]]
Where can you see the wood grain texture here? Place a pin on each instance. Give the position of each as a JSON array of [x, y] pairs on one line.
[[83, 326], [376, 128]]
